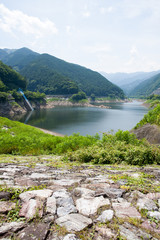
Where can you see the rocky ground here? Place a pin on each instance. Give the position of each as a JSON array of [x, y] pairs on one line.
[[43, 198]]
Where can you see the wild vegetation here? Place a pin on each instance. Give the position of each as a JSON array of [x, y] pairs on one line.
[[19, 139]]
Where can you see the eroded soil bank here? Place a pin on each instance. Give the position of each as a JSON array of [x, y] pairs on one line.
[[43, 198]]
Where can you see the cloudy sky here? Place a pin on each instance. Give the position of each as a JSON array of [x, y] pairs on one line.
[[104, 35]]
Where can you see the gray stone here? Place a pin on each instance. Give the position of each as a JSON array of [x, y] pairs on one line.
[[45, 193], [41, 176], [11, 227], [153, 196], [74, 222], [70, 237], [66, 182], [31, 209], [106, 215], [124, 210], [146, 203], [5, 195], [66, 206], [61, 194], [154, 214], [6, 206], [131, 232], [151, 226], [106, 233], [34, 232], [90, 205], [111, 192], [51, 205], [27, 182], [83, 192]]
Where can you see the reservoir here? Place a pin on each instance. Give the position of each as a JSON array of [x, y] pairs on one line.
[[87, 120]]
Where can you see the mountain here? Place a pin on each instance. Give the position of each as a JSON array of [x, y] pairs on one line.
[[49, 74], [10, 79], [128, 81], [147, 87]]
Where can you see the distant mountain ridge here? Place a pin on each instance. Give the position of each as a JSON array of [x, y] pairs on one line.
[[146, 87], [129, 81], [51, 75]]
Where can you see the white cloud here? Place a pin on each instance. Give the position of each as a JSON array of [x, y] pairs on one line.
[[106, 10], [86, 14], [12, 21], [98, 48]]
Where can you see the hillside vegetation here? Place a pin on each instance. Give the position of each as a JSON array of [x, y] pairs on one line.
[[147, 87], [19, 139], [10, 79], [51, 75]]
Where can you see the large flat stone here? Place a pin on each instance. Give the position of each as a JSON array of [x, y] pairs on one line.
[[146, 203], [110, 192], [6, 206], [45, 193], [131, 232], [11, 227], [83, 192], [89, 206], [51, 205], [74, 222], [34, 232], [106, 215], [31, 209], [124, 210], [66, 182]]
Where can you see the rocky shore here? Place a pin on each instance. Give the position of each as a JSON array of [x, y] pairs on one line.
[[43, 198]]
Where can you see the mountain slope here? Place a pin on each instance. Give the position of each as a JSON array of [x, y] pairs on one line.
[[83, 78], [10, 79], [128, 81], [146, 87]]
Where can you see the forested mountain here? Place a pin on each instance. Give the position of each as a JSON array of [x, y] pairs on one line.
[[10, 79], [128, 81], [146, 87], [49, 74]]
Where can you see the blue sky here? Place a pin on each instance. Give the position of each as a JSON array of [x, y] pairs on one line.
[[104, 35]]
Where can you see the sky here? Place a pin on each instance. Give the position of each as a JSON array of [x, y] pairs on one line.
[[103, 35]]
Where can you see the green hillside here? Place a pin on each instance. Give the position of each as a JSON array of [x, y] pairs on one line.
[[49, 74], [10, 79], [147, 87]]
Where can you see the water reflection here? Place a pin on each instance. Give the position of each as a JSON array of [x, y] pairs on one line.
[[87, 120]]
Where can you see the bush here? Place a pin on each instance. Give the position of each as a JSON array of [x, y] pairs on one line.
[[78, 97]]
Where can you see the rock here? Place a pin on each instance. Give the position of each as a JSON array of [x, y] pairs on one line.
[[154, 214], [51, 205], [124, 210], [66, 182], [159, 203], [106, 215], [61, 194], [83, 192], [31, 209], [45, 193], [74, 222], [41, 176], [110, 192], [70, 237], [5, 195], [90, 206], [34, 232], [135, 195], [151, 226], [105, 232], [11, 227], [131, 232], [27, 182], [6, 206], [153, 196], [145, 203], [66, 206]]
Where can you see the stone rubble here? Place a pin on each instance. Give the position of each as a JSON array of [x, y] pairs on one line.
[[75, 202]]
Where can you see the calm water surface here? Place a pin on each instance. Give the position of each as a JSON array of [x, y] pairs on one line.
[[87, 120]]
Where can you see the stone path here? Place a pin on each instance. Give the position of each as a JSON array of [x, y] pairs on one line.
[[41, 202]]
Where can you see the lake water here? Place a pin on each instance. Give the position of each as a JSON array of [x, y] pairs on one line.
[[87, 120]]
